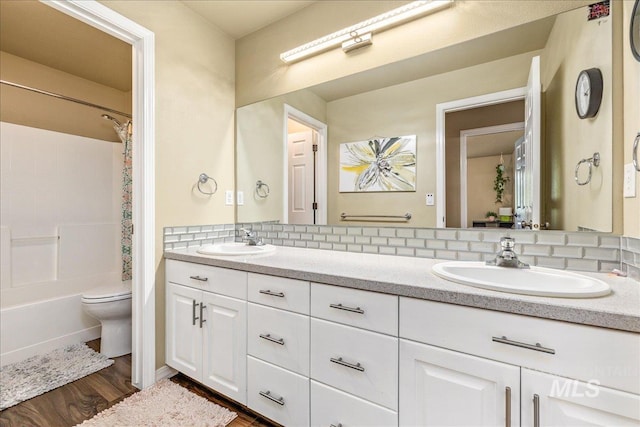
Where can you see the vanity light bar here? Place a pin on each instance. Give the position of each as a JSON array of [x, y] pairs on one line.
[[388, 19]]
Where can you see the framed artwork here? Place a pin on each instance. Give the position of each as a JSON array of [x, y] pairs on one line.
[[381, 164]]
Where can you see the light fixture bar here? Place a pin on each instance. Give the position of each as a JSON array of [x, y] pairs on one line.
[[388, 19]]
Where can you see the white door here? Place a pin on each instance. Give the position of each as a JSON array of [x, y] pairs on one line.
[[301, 173], [564, 402], [444, 388], [183, 335], [224, 344], [530, 210]]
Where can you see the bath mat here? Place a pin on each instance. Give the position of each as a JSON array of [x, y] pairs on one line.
[[163, 404], [38, 374]]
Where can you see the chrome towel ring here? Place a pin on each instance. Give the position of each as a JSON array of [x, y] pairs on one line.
[[591, 161], [262, 189], [202, 179], [635, 152]]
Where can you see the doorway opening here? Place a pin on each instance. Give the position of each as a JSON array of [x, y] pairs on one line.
[[305, 171]]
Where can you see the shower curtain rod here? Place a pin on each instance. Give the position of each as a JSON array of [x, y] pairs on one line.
[[66, 98]]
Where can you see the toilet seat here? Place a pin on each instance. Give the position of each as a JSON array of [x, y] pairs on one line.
[[109, 293]]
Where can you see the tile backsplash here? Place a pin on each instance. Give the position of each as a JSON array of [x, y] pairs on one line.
[[596, 252]]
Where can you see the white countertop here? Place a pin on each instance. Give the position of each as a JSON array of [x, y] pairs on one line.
[[412, 277]]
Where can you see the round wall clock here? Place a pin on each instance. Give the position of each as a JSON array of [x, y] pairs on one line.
[[588, 93], [634, 30]]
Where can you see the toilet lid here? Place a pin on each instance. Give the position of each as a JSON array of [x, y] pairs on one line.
[[115, 291]]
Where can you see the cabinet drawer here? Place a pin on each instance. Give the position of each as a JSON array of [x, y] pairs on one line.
[[331, 407], [579, 352], [279, 337], [278, 394], [364, 309], [279, 292], [336, 351], [222, 281]]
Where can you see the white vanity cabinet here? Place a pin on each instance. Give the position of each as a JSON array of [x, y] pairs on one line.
[[459, 361], [206, 332]]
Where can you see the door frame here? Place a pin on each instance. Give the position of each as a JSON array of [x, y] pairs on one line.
[[459, 105], [464, 134], [91, 12], [320, 167]]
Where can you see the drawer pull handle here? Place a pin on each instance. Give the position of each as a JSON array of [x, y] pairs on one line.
[[271, 293], [202, 319], [193, 313], [200, 279], [267, 394], [356, 366], [536, 347], [345, 308], [507, 406], [536, 410], [268, 337]]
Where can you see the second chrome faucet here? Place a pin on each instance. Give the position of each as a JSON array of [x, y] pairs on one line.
[[507, 257]]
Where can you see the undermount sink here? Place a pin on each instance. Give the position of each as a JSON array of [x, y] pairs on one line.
[[235, 248], [537, 281]]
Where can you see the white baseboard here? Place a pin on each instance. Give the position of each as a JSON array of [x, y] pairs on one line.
[[165, 372]]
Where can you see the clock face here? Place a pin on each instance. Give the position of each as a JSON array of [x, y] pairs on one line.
[[588, 93], [583, 94]]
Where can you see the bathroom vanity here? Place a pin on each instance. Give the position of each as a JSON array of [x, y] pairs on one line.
[[324, 338]]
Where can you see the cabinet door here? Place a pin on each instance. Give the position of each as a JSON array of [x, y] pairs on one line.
[[566, 402], [444, 388], [224, 353], [184, 336]]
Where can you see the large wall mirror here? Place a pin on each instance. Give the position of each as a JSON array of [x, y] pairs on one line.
[[281, 173]]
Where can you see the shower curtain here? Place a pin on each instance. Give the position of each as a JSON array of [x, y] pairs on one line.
[[127, 225]]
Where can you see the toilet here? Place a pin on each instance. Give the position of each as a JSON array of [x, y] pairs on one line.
[[111, 305]]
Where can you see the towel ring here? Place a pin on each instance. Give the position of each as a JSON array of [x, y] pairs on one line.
[[260, 189], [591, 161], [202, 179], [635, 152]]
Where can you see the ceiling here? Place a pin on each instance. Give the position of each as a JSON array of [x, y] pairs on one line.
[[492, 144], [238, 18]]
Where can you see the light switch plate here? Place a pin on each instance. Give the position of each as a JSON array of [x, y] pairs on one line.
[[629, 180], [240, 198], [228, 197], [430, 199]]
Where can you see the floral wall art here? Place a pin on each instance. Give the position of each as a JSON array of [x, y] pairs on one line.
[[381, 164]]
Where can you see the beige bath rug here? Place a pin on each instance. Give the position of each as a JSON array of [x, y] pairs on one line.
[[163, 404]]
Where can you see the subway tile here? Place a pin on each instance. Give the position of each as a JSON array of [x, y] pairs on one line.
[[492, 236], [445, 234], [381, 241], [484, 247], [608, 266], [273, 234], [300, 228], [602, 254], [179, 230], [325, 245], [370, 249], [427, 233], [405, 252], [295, 236], [313, 229], [469, 256], [405, 232], [206, 228], [551, 238], [333, 238], [186, 237], [289, 243], [387, 232], [395, 241], [319, 237], [425, 253], [527, 259], [551, 262], [416, 243], [633, 272], [339, 230], [229, 227], [470, 235], [363, 240], [387, 250], [200, 236], [347, 239], [633, 244], [436, 244], [288, 228], [339, 247], [354, 248], [450, 255], [354, 231], [325, 230], [218, 227], [313, 245], [582, 239], [582, 264], [171, 239], [300, 244], [167, 231], [282, 235], [180, 245], [193, 229], [567, 251], [168, 246], [306, 236], [370, 231], [543, 250], [609, 242], [523, 236], [456, 245]]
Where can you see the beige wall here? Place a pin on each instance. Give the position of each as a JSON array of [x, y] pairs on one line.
[[27, 108], [260, 74], [576, 44], [481, 172], [260, 151], [194, 121], [408, 109], [631, 115]]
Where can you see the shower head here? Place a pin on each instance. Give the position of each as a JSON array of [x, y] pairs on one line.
[[113, 119]]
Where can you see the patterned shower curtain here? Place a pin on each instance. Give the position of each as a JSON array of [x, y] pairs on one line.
[[127, 224]]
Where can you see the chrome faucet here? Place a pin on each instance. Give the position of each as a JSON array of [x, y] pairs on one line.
[[506, 257], [251, 237]]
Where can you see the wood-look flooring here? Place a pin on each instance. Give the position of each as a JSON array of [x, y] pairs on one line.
[[80, 400]]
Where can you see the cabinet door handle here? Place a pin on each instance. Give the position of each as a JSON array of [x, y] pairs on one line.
[[536, 347], [193, 311], [202, 319], [636, 141], [536, 410], [507, 406], [201, 279], [278, 400], [345, 308], [271, 293], [355, 366], [268, 337]]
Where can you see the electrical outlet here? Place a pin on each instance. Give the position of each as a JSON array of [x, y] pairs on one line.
[[240, 198], [228, 197], [430, 199], [629, 185]]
